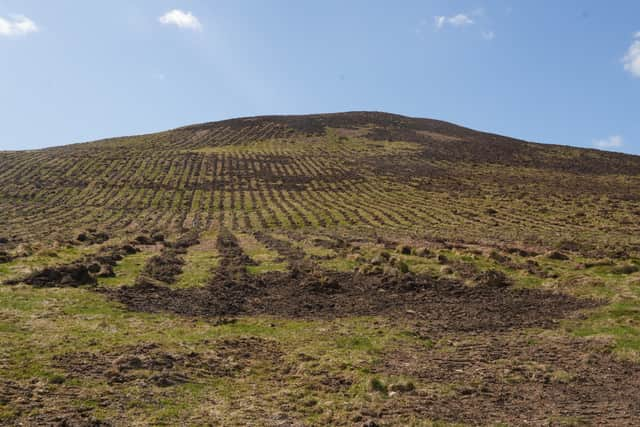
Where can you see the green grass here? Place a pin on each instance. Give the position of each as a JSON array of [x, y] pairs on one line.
[[267, 259], [57, 321], [339, 264], [618, 321], [127, 270], [200, 262]]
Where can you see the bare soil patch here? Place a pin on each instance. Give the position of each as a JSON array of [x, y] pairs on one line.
[[38, 404], [149, 364], [445, 305], [508, 377], [306, 292]]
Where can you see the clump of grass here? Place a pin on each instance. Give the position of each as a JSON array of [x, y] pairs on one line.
[[377, 385], [561, 376], [200, 261], [625, 269]]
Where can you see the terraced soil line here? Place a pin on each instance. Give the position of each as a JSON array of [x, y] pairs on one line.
[[233, 260], [291, 253], [442, 304]]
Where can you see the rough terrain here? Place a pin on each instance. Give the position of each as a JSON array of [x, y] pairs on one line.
[[343, 269]]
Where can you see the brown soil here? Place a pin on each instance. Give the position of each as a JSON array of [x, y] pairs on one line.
[[446, 305], [508, 377], [149, 364], [291, 253], [78, 273], [5, 257], [66, 275], [92, 237], [234, 260], [50, 406], [308, 292], [164, 267]]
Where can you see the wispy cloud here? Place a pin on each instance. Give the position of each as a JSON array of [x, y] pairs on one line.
[[614, 141], [488, 35], [631, 60], [17, 25], [459, 20], [181, 19]]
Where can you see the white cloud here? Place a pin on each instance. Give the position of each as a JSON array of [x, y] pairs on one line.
[[181, 19], [459, 20], [631, 60], [614, 141], [488, 35], [17, 25]]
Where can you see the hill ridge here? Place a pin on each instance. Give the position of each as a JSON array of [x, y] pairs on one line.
[[352, 169]]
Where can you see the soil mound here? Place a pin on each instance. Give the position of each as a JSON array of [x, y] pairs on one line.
[[67, 275], [164, 267]]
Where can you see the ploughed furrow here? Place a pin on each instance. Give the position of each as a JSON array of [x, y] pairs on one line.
[[272, 173], [165, 267], [233, 195], [270, 215], [440, 306], [294, 255], [212, 192], [225, 294], [391, 199], [220, 184], [317, 214], [280, 214], [264, 211], [346, 214], [10, 163], [233, 260], [382, 214], [298, 212], [340, 195]]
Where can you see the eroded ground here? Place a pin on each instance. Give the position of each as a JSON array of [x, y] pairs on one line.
[[341, 328]]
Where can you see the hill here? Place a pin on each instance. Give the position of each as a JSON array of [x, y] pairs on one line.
[[356, 268], [372, 170]]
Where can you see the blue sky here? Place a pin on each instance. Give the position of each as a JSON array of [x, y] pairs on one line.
[[555, 72]]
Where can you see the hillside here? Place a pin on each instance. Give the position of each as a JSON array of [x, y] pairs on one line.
[[368, 170], [354, 268]]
